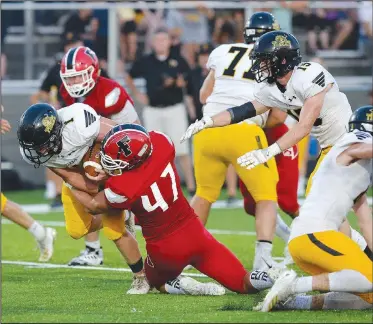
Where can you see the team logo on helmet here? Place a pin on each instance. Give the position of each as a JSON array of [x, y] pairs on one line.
[[276, 26], [281, 41], [48, 122], [370, 115]]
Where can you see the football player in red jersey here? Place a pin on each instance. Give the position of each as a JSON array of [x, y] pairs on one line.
[[81, 82], [143, 179]]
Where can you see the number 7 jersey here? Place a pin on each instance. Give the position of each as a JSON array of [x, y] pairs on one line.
[[152, 191]]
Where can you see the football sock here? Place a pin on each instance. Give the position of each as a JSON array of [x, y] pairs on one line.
[[302, 285], [138, 266], [260, 280], [263, 250], [93, 245], [349, 281], [282, 230], [37, 230], [340, 300], [173, 287], [299, 302]]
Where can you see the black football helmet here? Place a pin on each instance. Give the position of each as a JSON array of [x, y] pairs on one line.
[[40, 133], [362, 119], [275, 54], [258, 24]]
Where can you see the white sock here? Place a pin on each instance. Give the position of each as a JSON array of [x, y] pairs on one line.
[[359, 239], [299, 302], [37, 230], [349, 281], [340, 300], [50, 190], [173, 287], [260, 280], [282, 230], [93, 245], [302, 285], [263, 250]]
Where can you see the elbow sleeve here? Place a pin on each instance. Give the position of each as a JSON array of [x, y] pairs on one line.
[[240, 113]]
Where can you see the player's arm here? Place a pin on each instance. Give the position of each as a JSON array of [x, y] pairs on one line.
[[276, 117], [95, 204], [106, 125], [76, 179], [308, 115], [207, 86], [364, 216], [357, 151]]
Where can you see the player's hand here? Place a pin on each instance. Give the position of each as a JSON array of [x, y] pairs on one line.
[[196, 127], [251, 159], [102, 175], [5, 126], [168, 82], [180, 82]]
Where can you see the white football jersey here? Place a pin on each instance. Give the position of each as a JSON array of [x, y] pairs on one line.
[[234, 81], [81, 126], [334, 189], [307, 80]]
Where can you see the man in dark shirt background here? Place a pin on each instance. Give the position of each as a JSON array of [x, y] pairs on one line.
[[165, 73]]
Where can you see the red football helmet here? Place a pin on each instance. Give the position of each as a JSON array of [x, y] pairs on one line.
[[125, 147], [79, 71]]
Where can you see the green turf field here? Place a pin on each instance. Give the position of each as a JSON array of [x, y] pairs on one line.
[[57, 295]]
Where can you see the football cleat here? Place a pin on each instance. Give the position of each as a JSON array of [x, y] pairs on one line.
[[46, 244], [139, 286], [196, 288], [88, 257], [280, 291]]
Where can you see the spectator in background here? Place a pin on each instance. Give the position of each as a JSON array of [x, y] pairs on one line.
[[164, 110], [191, 27], [4, 28], [371, 97], [79, 23], [99, 34], [128, 34], [365, 19]]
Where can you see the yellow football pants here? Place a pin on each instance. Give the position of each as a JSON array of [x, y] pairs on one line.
[[330, 251], [78, 220], [216, 148], [3, 202]]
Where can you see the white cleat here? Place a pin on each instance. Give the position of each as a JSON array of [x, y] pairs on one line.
[[88, 257], [130, 224], [281, 290], [139, 286], [188, 267], [264, 263], [196, 288], [46, 244]]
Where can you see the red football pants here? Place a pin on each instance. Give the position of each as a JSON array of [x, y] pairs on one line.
[[193, 244], [287, 186]]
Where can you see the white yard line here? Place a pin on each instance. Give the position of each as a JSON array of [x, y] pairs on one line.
[[212, 231], [65, 266]]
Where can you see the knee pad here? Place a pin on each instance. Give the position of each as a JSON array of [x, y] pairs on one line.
[[113, 226]]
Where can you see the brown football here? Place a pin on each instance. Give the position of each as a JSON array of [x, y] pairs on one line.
[[91, 160]]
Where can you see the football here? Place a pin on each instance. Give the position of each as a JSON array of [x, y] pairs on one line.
[[91, 160]]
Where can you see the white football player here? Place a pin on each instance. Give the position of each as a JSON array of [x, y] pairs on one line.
[[59, 140], [306, 91], [334, 261], [230, 81]]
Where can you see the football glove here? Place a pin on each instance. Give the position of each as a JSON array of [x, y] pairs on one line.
[[253, 158], [196, 127]]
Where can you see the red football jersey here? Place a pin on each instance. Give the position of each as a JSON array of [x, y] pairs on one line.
[[152, 191], [108, 97]]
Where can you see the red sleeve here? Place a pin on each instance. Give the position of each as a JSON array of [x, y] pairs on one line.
[[65, 96], [114, 96]]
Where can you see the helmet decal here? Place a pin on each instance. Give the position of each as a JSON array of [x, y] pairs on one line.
[[281, 41], [48, 122]]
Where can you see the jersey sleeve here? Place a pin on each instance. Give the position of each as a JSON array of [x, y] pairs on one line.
[[262, 94], [86, 123], [214, 56], [114, 199], [311, 78]]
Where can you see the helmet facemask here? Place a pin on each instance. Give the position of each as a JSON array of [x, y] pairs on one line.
[[77, 90]]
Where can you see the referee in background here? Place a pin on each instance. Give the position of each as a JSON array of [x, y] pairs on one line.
[[165, 72]]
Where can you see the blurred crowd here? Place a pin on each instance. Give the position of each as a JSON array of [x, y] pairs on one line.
[[327, 29]]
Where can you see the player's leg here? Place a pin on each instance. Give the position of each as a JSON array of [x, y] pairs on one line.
[[54, 188], [79, 223], [302, 164], [218, 262], [335, 262], [328, 301], [231, 181], [209, 169], [261, 183], [44, 236]]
